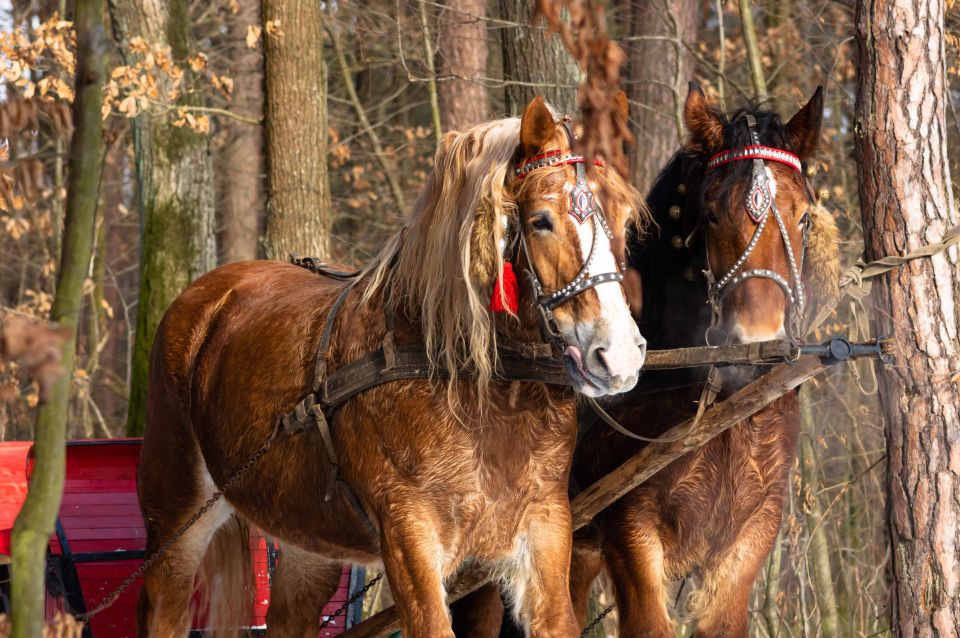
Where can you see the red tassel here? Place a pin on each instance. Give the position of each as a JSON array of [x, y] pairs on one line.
[[511, 291]]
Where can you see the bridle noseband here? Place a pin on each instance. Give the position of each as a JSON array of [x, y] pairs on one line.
[[759, 203], [583, 206]]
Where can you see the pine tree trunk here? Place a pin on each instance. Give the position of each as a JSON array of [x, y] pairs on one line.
[[462, 54], [175, 177], [35, 523], [535, 63], [240, 162], [906, 202], [658, 79], [298, 195]]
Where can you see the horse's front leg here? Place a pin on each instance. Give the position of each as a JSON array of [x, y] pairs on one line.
[[415, 561], [537, 577]]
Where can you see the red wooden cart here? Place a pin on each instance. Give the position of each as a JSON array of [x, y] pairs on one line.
[[100, 538]]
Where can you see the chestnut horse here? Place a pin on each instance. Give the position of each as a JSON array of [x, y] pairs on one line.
[[442, 471], [713, 515]]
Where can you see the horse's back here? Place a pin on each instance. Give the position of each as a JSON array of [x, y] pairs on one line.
[[218, 300]]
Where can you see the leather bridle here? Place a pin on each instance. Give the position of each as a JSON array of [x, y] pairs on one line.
[[760, 206], [583, 206]]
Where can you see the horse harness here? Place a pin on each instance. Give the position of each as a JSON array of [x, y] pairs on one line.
[[531, 362], [760, 204]]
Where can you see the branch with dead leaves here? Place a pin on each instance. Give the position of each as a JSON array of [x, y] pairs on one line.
[[34, 345]]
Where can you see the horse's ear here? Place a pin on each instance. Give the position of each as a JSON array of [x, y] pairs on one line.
[[621, 107], [703, 123], [821, 261], [537, 126], [803, 130]]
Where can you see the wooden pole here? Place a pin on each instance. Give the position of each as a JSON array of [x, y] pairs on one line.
[[34, 524]]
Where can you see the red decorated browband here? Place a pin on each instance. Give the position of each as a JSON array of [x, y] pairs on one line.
[[756, 152]]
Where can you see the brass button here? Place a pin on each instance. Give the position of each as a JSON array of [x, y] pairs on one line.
[[674, 212], [681, 188], [812, 170], [677, 242], [688, 274]]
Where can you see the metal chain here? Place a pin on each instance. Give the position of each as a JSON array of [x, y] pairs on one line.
[[597, 620], [356, 596], [139, 571]]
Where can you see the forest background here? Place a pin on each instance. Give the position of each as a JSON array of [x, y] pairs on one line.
[[240, 129]]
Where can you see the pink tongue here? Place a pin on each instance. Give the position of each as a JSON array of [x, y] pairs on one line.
[[574, 353]]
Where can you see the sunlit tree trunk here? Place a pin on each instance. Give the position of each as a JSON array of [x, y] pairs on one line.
[[462, 54], [298, 194], [175, 176], [906, 202], [659, 67], [240, 163], [35, 523], [535, 63]]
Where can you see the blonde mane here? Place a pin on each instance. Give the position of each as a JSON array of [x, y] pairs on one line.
[[439, 268]]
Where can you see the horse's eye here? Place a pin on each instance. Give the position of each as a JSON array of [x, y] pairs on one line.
[[712, 218], [541, 222]]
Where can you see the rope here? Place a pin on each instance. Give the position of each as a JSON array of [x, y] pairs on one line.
[[854, 281]]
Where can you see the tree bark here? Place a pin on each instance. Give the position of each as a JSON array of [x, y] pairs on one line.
[[906, 202], [240, 161], [463, 61], [298, 194], [35, 523], [535, 62], [658, 70], [757, 76], [175, 178]]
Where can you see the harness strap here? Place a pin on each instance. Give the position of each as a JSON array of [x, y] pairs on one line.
[[323, 350], [412, 362]]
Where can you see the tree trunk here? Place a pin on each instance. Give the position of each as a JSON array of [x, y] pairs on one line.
[[35, 523], [240, 161], [175, 178], [535, 62], [463, 61], [298, 195], [658, 79], [754, 57], [906, 202], [818, 552]]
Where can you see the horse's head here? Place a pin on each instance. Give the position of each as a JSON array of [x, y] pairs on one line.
[[757, 213], [571, 245], [511, 192]]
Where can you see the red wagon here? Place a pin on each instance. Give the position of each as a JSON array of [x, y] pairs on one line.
[[100, 539]]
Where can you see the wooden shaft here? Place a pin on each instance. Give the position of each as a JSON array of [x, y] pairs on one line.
[[761, 352]]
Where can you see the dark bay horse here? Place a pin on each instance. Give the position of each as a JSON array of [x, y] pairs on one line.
[[474, 467], [713, 514]]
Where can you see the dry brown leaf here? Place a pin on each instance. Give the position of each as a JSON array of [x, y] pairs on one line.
[[253, 36]]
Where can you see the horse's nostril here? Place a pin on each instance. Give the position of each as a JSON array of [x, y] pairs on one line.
[[600, 355]]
